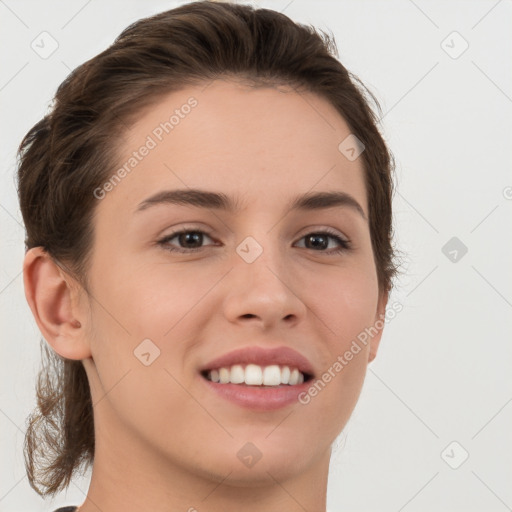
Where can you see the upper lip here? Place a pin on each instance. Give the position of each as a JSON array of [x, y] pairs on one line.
[[282, 356]]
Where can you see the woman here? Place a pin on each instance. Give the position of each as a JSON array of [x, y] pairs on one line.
[[209, 258]]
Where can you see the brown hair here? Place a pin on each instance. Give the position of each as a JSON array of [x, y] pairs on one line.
[[72, 151]]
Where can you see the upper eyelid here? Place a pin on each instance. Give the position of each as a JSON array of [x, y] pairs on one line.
[[309, 229]]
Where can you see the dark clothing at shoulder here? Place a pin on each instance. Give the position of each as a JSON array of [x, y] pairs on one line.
[[66, 509]]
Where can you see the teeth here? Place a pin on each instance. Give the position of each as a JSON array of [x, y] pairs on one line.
[[224, 375], [285, 375], [255, 375], [272, 375], [237, 375]]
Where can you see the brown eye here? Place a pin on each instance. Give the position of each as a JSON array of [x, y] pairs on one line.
[[188, 240], [319, 241]]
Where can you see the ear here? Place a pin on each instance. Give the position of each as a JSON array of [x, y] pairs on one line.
[[379, 325], [53, 297]]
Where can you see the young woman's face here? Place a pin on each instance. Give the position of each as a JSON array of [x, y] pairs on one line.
[[164, 307]]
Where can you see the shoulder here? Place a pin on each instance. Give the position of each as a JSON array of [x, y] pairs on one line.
[[66, 509]]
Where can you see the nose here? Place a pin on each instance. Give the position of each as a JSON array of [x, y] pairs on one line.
[[263, 291]]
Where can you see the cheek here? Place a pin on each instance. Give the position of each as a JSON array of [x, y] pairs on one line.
[[346, 301], [346, 308], [149, 300], [153, 309]]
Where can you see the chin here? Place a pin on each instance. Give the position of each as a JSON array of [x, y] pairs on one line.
[[263, 473], [254, 460]]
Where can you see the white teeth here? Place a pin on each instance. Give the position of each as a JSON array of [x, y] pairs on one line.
[[285, 375], [237, 375], [294, 377], [224, 375], [255, 375], [272, 375]]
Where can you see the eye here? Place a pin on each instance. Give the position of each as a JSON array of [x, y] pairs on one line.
[[320, 240], [191, 240]]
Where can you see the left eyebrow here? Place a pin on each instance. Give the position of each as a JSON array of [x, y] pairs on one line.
[[220, 201]]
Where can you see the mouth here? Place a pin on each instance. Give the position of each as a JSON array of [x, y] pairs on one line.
[[258, 378], [253, 375]]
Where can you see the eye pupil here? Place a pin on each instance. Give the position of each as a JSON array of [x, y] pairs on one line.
[[191, 236], [315, 238]]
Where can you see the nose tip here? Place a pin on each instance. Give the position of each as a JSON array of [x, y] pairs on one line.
[[262, 289]]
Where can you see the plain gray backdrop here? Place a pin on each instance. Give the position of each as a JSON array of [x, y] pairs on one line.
[[432, 427]]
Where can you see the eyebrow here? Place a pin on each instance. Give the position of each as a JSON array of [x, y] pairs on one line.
[[220, 201]]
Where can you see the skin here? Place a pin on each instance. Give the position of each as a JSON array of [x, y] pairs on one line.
[[164, 441]]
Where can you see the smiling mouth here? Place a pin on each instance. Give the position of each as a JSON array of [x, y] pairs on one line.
[[270, 376]]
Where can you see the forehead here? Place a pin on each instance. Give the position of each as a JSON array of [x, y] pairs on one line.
[[253, 143]]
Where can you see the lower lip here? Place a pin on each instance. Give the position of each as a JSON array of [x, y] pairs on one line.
[[258, 398]]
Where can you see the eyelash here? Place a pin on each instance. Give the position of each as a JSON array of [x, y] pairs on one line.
[[345, 245]]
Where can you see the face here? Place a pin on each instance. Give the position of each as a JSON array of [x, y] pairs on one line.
[[261, 274]]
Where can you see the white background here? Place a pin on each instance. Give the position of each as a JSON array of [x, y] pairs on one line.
[[443, 370]]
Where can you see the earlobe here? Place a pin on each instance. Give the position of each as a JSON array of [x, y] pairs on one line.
[[53, 303], [379, 325]]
